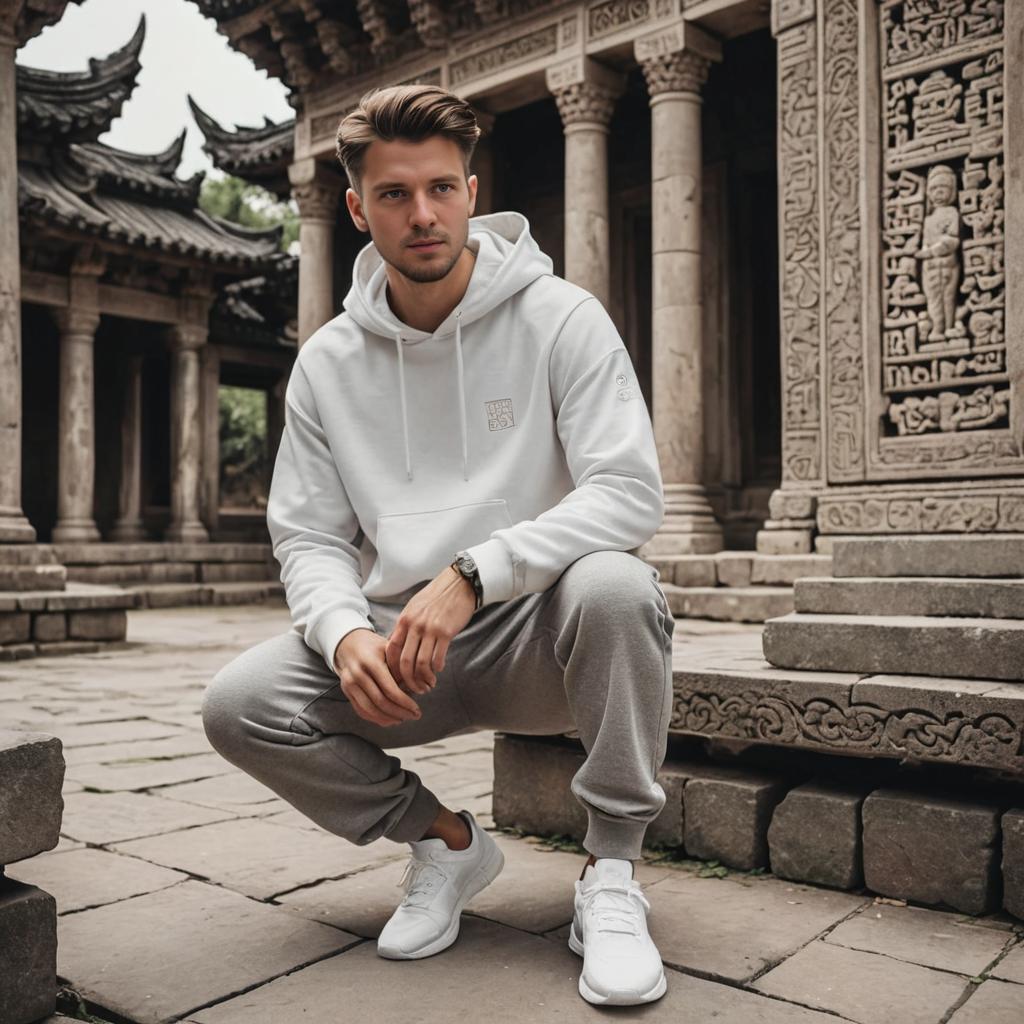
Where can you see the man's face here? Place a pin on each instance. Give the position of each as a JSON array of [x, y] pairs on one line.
[[416, 204]]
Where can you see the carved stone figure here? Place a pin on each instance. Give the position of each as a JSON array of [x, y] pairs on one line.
[[939, 253]]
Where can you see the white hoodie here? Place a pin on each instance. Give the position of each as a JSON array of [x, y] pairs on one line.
[[516, 431]]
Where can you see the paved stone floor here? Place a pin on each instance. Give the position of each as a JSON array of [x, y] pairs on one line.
[[188, 892]]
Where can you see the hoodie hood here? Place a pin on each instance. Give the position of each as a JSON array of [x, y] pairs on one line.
[[507, 260]]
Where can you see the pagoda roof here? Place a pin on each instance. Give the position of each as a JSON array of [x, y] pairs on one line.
[[77, 106], [35, 15], [261, 310], [259, 155]]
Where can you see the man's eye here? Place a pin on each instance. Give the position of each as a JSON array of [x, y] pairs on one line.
[[392, 192], [446, 186]]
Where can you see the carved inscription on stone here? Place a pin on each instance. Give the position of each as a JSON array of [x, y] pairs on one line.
[[944, 331], [608, 17], [801, 281], [514, 51]]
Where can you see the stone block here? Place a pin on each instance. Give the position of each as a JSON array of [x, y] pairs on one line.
[[237, 593], [729, 604], [782, 505], [531, 791], [49, 626], [693, 571], [785, 570], [32, 577], [27, 554], [1012, 861], [28, 953], [904, 644], [815, 833], [994, 1002], [12, 652], [89, 597], [910, 595], [15, 627], [116, 572], [932, 848], [950, 554], [784, 542], [31, 776], [733, 568], [232, 572], [726, 814], [172, 595], [98, 625], [170, 572]]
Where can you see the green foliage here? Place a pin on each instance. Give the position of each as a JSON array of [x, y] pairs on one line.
[[243, 446], [252, 206]]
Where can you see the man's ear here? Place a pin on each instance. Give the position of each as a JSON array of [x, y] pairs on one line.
[[355, 209], [471, 185]]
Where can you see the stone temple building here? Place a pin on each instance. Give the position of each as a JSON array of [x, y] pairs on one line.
[[803, 216]]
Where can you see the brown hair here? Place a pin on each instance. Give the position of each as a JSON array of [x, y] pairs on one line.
[[411, 112]]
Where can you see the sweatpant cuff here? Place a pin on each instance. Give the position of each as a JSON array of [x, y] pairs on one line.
[[622, 839], [419, 816]]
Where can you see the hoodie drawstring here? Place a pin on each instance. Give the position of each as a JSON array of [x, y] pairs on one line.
[[462, 400]]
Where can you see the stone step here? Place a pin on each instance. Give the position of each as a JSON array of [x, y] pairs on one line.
[[966, 648], [953, 554], [785, 570], [910, 595], [177, 595], [729, 604], [739, 569], [110, 552]]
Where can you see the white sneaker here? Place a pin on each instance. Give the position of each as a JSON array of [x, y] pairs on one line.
[[621, 964], [438, 882]]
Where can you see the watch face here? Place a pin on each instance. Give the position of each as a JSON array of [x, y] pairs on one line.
[[466, 563]]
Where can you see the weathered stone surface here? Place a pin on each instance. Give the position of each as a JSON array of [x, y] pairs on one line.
[[32, 577], [244, 593], [994, 1002], [172, 595], [785, 570], [97, 625], [726, 815], [951, 554], [138, 775], [15, 627], [969, 648], [733, 568], [729, 604], [1011, 967], [260, 859], [110, 817], [531, 791], [232, 572], [106, 553], [27, 554], [31, 775], [863, 987], [1013, 861], [907, 595], [236, 791], [89, 878], [28, 953], [814, 835], [202, 943], [49, 626], [932, 848], [690, 570], [920, 936], [784, 542], [86, 733], [488, 964]]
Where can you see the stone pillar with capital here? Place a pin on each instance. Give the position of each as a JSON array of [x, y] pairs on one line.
[[13, 524], [186, 339], [585, 92], [675, 64], [316, 190], [209, 491], [128, 526]]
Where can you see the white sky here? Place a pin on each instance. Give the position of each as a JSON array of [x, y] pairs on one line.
[[182, 53]]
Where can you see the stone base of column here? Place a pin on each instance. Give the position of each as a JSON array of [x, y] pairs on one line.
[[128, 530], [15, 528], [689, 528], [77, 528], [186, 533]]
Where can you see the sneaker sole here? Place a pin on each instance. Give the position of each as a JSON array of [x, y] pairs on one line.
[[485, 874], [619, 998]]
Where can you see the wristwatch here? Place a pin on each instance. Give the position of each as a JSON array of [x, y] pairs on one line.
[[465, 565]]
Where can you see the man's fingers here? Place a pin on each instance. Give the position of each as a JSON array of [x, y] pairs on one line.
[[384, 692], [424, 661], [366, 709], [440, 653]]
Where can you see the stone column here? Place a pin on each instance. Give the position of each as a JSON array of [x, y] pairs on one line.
[[76, 458], [675, 64], [482, 164], [13, 524], [316, 189], [186, 340], [129, 496], [209, 368], [585, 92]]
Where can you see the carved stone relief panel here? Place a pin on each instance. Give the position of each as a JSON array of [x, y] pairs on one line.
[[943, 395]]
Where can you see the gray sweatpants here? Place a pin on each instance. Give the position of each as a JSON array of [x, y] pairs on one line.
[[593, 653]]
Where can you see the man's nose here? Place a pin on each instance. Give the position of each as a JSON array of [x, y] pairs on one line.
[[422, 213]]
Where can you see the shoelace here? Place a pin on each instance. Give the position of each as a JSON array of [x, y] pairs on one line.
[[617, 910], [423, 882]]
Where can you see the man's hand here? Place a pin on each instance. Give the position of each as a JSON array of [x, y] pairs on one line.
[[367, 682], [426, 626]]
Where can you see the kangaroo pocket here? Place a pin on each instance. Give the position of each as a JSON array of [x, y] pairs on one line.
[[415, 546]]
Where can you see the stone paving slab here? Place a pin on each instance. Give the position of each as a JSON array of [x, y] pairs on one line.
[[156, 957], [138, 775], [89, 877], [1011, 967], [183, 745], [260, 858], [926, 937], [864, 987], [994, 1002], [111, 732], [482, 977], [234, 791], [111, 817]]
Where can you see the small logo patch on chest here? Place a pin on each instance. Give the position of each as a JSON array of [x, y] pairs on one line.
[[499, 414]]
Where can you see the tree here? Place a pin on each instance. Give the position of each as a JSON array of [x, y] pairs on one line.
[[252, 206]]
